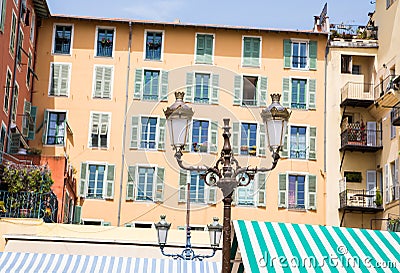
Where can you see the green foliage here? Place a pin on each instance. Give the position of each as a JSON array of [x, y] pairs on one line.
[[353, 176], [378, 198]]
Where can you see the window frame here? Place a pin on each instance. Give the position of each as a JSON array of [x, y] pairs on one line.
[[96, 42], [13, 34], [196, 61], [190, 135], [90, 144], [28, 67], [307, 192], [102, 82], [256, 93], [259, 55], [53, 45], [300, 41], [157, 133], [309, 148], [47, 112], [153, 183], [248, 139], [51, 79], [310, 93], [14, 102], [143, 84], [146, 31], [7, 92], [197, 189], [210, 86]]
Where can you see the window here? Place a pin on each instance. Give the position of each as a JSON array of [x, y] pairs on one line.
[[297, 191], [392, 127], [200, 131], [55, 122], [103, 81], [154, 42], [13, 33], [151, 85], [299, 93], [202, 88], [145, 183], [29, 69], [199, 192], [14, 104], [32, 30], [97, 180], [62, 39], [346, 64], [100, 130], [300, 54], [7, 91], [59, 79], [301, 141], [252, 194], [250, 91], [2, 14], [204, 48], [2, 139], [148, 133], [105, 42], [248, 139], [19, 48], [251, 51]]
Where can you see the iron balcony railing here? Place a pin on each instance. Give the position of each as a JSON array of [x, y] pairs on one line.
[[29, 205], [386, 85], [104, 50], [353, 31], [359, 198], [356, 134], [357, 91]]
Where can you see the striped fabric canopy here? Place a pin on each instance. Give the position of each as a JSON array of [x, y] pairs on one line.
[[47, 263], [282, 247]]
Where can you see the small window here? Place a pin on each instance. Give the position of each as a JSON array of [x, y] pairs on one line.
[[299, 54], [248, 139], [346, 64], [353, 176], [103, 80], [202, 88], [100, 130], [7, 91], [356, 70], [148, 133], [197, 188], [105, 42], [251, 51], [14, 104], [59, 79], [298, 142], [62, 39], [153, 45], [151, 84], [299, 90], [145, 183], [249, 90], [56, 125], [92, 222], [296, 192], [13, 32], [200, 132]]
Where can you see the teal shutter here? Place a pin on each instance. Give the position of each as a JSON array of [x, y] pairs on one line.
[[313, 54], [82, 182], [287, 53], [282, 202], [237, 93], [138, 84], [187, 146], [285, 146], [3, 15], [200, 48], [251, 51], [44, 135], [32, 123], [312, 94], [26, 118], [212, 195], [77, 214], [189, 87], [312, 155], [15, 143], [164, 85], [110, 182], [208, 50], [134, 132], [215, 89], [235, 137], [130, 186], [261, 141], [261, 200], [214, 137], [161, 136], [183, 177], [286, 92], [312, 192], [159, 191], [263, 91]]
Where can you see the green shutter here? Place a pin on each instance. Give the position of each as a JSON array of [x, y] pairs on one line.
[[312, 155], [285, 147], [15, 143], [110, 182], [26, 118], [287, 53], [106, 224], [134, 132], [3, 15], [183, 177], [130, 186], [189, 86], [215, 89], [32, 123], [82, 182], [208, 49], [161, 136], [44, 134], [286, 92], [261, 200], [159, 194], [261, 141], [214, 137], [312, 192], [138, 84], [164, 85], [251, 51], [212, 195], [77, 215], [235, 137], [262, 100], [313, 54], [200, 48], [282, 203], [237, 93], [312, 94]]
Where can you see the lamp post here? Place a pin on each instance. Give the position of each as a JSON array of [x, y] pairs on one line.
[[227, 174]]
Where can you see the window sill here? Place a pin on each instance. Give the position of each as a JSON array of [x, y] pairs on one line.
[[61, 54], [207, 63], [251, 66], [106, 57], [153, 60], [99, 148], [54, 145], [100, 98], [58, 96]]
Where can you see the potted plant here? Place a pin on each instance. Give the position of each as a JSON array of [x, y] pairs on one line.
[[378, 198]]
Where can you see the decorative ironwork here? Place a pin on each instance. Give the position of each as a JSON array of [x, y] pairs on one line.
[[358, 198]]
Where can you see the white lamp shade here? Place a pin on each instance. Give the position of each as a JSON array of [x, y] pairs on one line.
[[162, 236], [178, 130], [215, 237], [276, 130]]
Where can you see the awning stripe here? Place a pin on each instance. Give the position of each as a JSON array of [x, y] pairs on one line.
[[261, 233], [246, 238], [294, 250], [386, 247]]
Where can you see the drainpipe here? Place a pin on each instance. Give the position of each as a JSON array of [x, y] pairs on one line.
[[14, 76], [125, 119]]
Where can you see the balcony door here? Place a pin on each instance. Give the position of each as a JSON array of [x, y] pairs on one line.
[[371, 133], [371, 187]]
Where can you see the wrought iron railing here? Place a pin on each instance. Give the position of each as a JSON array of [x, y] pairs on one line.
[[104, 50], [359, 198], [357, 135], [353, 31], [358, 91], [29, 205], [385, 86]]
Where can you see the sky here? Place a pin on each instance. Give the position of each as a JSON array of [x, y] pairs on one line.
[[283, 14]]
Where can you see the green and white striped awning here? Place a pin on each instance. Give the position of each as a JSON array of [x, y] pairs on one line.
[[283, 247]]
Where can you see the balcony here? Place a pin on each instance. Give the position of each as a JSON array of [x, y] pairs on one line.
[[358, 138], [385, 91], [343, 31], [29, 205], [359, 200], [357, 94]]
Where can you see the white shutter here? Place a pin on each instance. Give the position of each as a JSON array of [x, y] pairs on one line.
[[130, 187], [387, 187], [109, 189], [212, 195], [164, 86], [312, 192], [215, 89], [261, 139], [214, 137], [134, 132], [82, 181], [183, 178], [159, 190], [235, 137], [161, 135], [261, 194], [282, 197], [189, 87], [262, 99], [237, 90]]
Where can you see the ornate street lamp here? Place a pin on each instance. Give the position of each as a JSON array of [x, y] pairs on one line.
[[227, 174]]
